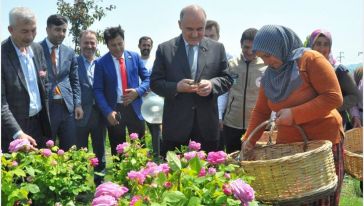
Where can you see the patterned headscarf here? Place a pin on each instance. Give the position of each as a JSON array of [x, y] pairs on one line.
[[310, 41], [282, 43]]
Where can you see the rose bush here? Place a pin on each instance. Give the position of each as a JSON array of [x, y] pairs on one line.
[[189, 177], [46, 176]]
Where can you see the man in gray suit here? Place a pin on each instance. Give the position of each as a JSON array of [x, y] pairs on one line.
[[63, 88], [190, 73], [24, 112], [91, 123]]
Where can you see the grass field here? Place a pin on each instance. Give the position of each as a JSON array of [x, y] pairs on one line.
[[351, 194]]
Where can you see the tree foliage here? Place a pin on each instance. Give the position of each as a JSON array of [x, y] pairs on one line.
[[82, 14]]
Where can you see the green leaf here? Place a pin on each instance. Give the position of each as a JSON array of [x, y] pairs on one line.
[[174, 198], [173, 161], [194, 201], [19, 172], [221, 199], [52, 188], [33, 188], [195, 164], [30, 171]]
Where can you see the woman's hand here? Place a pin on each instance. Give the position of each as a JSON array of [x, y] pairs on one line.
[[284, 117], [246, 150]]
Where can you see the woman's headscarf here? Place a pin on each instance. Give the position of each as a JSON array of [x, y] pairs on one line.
[[310, 41], [284, 44]]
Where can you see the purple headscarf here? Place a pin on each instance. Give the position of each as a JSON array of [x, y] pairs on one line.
[[313, 37]]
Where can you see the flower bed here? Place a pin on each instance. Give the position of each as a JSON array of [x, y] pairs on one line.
[[188, 177]]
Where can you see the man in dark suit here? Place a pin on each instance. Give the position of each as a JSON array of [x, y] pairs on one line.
[[24, 112], [91, 122], [118, 92], [63, 88], [190, 73]]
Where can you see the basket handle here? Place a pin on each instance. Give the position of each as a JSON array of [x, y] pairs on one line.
[[271, 121]]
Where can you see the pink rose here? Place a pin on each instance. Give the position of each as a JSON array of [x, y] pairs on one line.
[[110, 189], [201, 155], [50, 143], [194, 146], [211, 171], [134, 200], [216, 157], [189, 155], [104, 200], [167, 185], [227, 189], [94, 161], [19, 144], [133, 136], [42, 73], [227, 175], [14, 163], [46, 152], [242, 191], [202, 172], [60, 152], [120, 148], [138, 176]]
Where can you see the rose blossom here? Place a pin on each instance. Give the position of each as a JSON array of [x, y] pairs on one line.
[[189, 155], [216, 157], [139, 176], [201, 155], [202, 172], [46, 152], [227, 189], [19, 144], [94, 161], [194, 146], [104, 200], [60, 152], [120, 148], [50, 143], [211, 171], [134, 200], [242, 191], [111, 189], [14, 163], [133, 136], [167, 185]]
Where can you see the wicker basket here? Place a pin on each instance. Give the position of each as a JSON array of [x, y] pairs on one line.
[[293, 173], [353, 146]]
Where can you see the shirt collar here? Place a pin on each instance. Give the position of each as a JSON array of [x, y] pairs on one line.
[[49, 44], [117, 59], [86, 60], [187, 44], [29, 50]]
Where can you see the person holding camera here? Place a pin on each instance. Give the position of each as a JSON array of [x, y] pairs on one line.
[[118, 92]]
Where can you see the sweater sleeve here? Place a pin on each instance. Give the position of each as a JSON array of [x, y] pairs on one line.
[[322, 78], [260, 113]]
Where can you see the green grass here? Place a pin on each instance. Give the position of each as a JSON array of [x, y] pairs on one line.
[[350, 192]]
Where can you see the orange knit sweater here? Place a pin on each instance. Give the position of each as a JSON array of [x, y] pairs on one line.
[[313, 104]]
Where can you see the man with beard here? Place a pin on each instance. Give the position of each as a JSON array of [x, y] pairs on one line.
[[145, 45], [24, 112], [63, 89]]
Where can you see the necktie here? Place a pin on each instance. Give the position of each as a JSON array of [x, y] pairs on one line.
[[54, 61], [191, 60], [57, 91], [124, 78]]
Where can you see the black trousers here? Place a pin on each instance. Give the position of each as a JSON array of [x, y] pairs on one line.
[[129, 120], [232, 138], [155, 132]]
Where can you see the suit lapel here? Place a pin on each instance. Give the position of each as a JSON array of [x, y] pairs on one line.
[[83, 70], [201, 61], [180, 51], [14, 59], [47, 56]]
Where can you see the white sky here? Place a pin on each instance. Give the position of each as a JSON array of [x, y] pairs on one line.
[[158, 19]]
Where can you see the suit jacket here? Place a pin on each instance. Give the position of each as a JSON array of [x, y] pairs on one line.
[[105, 81], [171, 66], [87, 93], [66, 78], [14, 92]]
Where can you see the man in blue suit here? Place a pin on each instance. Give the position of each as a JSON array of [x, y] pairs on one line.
[[63, 86], [91, 122], [117, 90]]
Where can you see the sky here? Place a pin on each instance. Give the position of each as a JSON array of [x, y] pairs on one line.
[[159, 20]]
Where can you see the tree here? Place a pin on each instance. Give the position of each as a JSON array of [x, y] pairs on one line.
[[82, 14]]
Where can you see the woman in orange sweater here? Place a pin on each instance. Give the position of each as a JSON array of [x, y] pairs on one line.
[[301, 87]]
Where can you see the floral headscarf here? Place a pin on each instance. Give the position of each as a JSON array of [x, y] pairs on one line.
[[310, 41]]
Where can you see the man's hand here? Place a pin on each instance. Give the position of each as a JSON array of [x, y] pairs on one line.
[[284, 117], [32, 141], [204, 88], [78, 113], [130, 96], [112, 118], [186, 86]]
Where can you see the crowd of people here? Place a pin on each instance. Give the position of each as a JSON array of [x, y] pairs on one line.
[[49, 92]]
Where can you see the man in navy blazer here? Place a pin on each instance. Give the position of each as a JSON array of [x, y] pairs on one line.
[[91, 123], [120, 97], [63, 87]]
